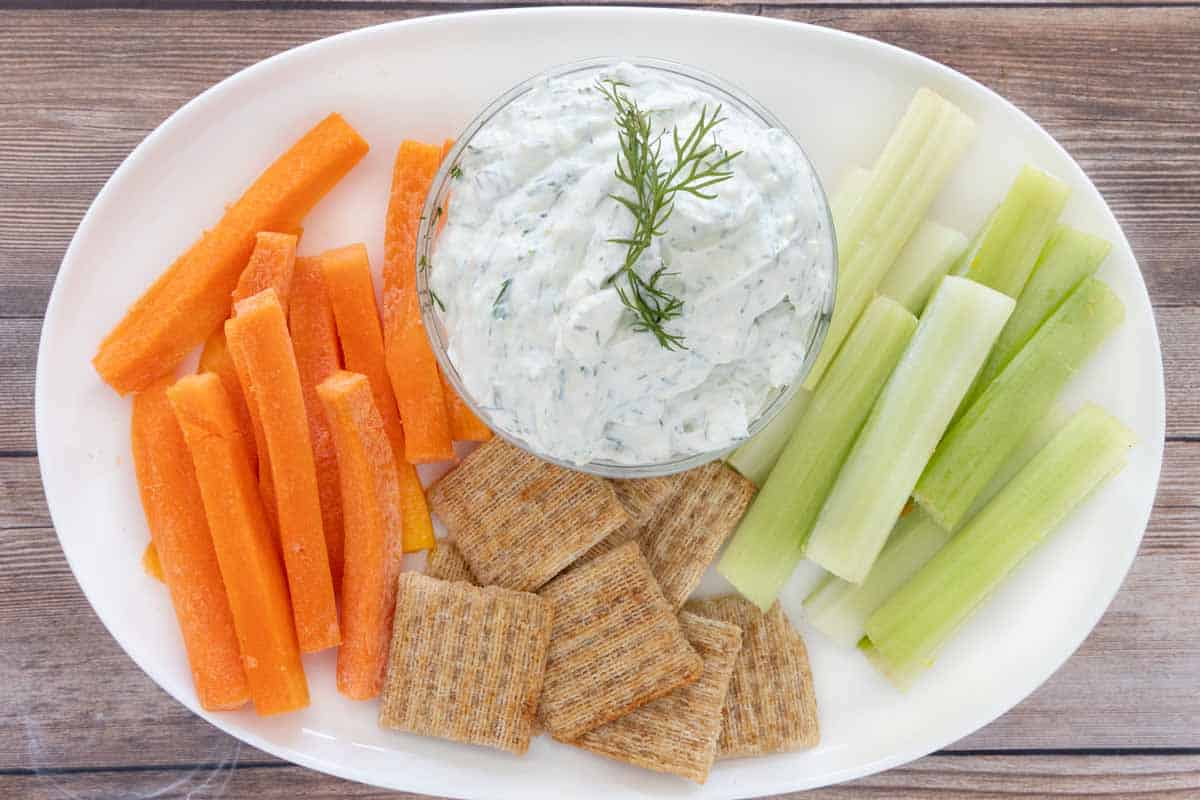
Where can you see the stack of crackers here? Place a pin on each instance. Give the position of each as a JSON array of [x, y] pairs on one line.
[[563, 602]]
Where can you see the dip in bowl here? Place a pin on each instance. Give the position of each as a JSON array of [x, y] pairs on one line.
[[524, 271]]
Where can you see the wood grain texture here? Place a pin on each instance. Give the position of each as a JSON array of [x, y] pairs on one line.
[[60, 688], [991, 777], [1116, 85], [1178, 328]]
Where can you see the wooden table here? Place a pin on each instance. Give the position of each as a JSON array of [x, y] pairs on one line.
[[82, 81]]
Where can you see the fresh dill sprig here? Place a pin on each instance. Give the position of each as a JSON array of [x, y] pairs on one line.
[[698, 167], [437, 300], [503, 290], [456, 172]]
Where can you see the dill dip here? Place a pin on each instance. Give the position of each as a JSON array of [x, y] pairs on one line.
[[522, 274]]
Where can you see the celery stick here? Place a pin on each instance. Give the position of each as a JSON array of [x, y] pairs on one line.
[[1067, 259], [955, 334], [849, 191], [769, 542], [840, 609], [755, 458], [964, 260], [1017, 231], [922, 263], [900, 678], [978, 443], [930, 139], [909, 629]]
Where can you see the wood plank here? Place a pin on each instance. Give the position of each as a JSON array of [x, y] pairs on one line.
[[18, 360], [992, 777], [1178, 327], [74, 105], [57, 687], [22, 502], [1179, 331]]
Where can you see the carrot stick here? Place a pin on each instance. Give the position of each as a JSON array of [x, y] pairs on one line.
[[152, 564], [347, 274], [266, 477], [410, 363], [250, 566], [270, 267], [314, 340], [215, 358], [191, 299], [374, 531], [259, 333], [183, 550], [466, 426]]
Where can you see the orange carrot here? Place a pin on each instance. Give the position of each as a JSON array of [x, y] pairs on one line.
[[215, 358], [374, 531], [347, 274], [270, 267], [152, 565], [410, 363], [180, 541], [314, 340], [467, 427], [266, 477], [191, 299], [250, 566], [259, 333]]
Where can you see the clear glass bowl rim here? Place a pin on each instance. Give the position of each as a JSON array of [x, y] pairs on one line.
[[431, 213]]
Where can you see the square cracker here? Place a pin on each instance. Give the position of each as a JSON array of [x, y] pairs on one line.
[[684, 535], [466, 663], [771, 707], [641, 497], [446, 563], [616, 644], [677, 733], [518, 520]]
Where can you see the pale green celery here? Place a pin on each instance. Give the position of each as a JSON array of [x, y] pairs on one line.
[[840, 609], [922, 263], [769, 542], [901, 679], [1067, 259], [964, 260], [979, 442], [924, 148], [850, 190], [755, 458], [909, 630], [955, 334], [1017, 231]]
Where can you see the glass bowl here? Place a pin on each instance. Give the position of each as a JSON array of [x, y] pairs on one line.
[[438, 199]]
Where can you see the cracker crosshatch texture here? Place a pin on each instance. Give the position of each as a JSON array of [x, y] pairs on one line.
[[466, 663], [616, 644], [770, 707], [678, 732], [641, 498], [446, 563], [519, 521], [684, 535]]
